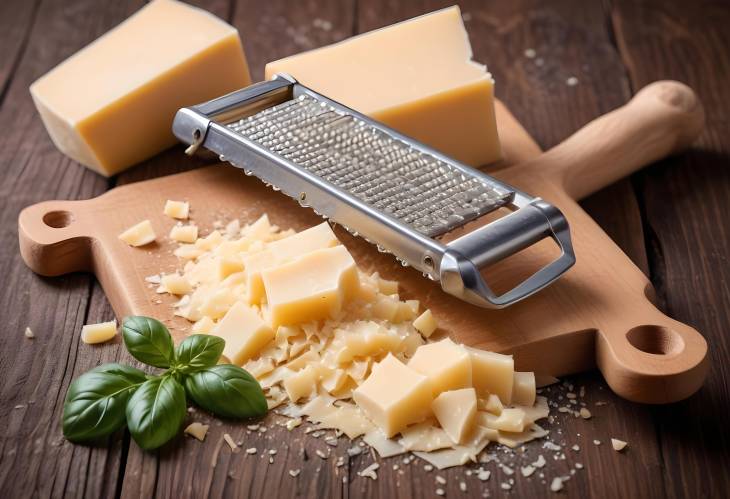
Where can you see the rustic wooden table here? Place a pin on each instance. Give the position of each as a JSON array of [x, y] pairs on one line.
[[672, 219]]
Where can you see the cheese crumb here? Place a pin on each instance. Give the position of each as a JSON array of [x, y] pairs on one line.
[[184, 233], [505, 486], [99, 333], [293, 423], [425, 323], [557, 484], [540, 462], [585, 413], [572, 81], [370, 471], [440, 492], [177, 209], [139, 235], [230, 442], [530, 53], [294, 473], [462, 486], [596, 442], [440, 480], [618, 445], [321, 454], [251, 450], [527, 470], [197, 430], [29, 333], [484, 475]]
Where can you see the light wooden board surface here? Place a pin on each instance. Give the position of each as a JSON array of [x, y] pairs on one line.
[[597, 314]]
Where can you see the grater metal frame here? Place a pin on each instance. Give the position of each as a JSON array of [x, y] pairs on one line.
[[455, 264]]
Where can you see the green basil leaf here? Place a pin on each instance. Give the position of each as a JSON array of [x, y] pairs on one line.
[[199, 351], [226, 390], [148, 341], [156, 411], [96, 401]]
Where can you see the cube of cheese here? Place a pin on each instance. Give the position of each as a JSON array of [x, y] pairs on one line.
[[139, 234], [278, 252], [394, 396], [456, 412], [184, 233], [417, 77], [310, 288], [245, 333], [99, 333], [493, 373], [523, 389], [176, 284], [203, 326], [385, 308], [111, 105], [425, 323], [177, 209], [446, 365]]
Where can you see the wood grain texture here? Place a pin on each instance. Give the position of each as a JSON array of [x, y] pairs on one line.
[[682, 458], [689, 254]]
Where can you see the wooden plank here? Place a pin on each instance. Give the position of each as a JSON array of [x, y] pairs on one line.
[[569, 39], [16, 19], [685, 200], [36, 460]]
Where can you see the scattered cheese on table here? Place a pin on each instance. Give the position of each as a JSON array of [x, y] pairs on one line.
[[29, 333], [175, 284], [618, 445], [197, 430], [184, 233], [139, 234], [99, 333], [111, 104], [177, 209], [425, 323], [404, 75]]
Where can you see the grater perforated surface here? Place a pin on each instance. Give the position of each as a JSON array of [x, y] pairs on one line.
[[382, 171]]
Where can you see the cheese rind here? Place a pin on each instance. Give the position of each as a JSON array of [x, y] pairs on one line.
[[99, 333], [139, 234], [111, 104], [245, 333], [394, 396], [312, 287], [446, 365], [417, 77]]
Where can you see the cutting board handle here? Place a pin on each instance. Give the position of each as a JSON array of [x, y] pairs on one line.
[[54, 237], [656, 361], [662, 119]]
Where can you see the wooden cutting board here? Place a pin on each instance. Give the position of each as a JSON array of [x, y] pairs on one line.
[[599, 314]]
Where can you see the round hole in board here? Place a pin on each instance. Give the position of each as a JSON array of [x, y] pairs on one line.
[[656, 340], [58, 219]]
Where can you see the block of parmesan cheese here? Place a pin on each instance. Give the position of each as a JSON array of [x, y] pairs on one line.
[[446, 365], [417, 77], [111, 104], [244, 331], [456, 411], [312, 287]]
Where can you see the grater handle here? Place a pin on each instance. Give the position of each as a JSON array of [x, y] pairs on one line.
[[465, 256]]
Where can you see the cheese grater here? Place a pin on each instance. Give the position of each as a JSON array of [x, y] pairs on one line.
[[379, 184]]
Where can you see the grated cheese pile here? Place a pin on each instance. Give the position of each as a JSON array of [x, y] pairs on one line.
[[333, 369]]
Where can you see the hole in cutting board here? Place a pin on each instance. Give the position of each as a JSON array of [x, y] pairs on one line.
[[58, 219], [656, 340]]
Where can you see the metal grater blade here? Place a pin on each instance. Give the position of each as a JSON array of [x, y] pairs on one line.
[[382, 171], [393, 191]]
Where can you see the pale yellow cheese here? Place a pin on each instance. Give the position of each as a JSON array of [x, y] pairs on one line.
[[511, 419], [456, 412], [197, 430], [302, 383], [99, 333], [204, 326], [425, 323], [523, 390], [493, 404], [312, 287], [244, 331], [176, 284], [425, 437], [177, 209], [493, 373], [184, 233], [111, 104], [446, 365], [139, 234], [417, 77], [278, 252], [394, 396]]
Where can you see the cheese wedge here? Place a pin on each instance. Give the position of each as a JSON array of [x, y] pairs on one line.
[[245, 333], [310, 288], [446, 364], [456, 412], [277, 252], [111, 105], [417, 77]]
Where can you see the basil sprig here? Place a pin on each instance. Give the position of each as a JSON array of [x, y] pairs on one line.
[[106, 398]]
